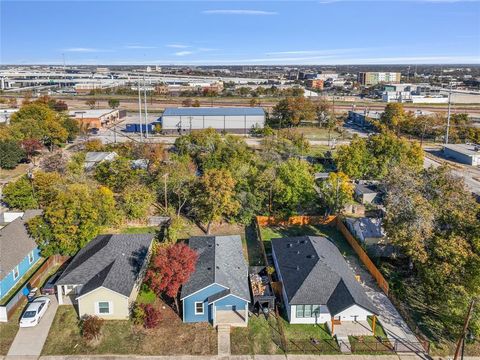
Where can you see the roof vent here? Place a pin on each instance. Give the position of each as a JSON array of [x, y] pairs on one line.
[[289, 245], [311, 256], [298, 252], [218, 267], [302, 241], [298, 267], [209, 268]]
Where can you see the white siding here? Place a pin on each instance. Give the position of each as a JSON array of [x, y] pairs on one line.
[[323, 317], [353, 313], [216, 122]]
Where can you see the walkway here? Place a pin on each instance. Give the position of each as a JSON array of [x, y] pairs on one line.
[[29, 341], [223, 340], [392, 322]]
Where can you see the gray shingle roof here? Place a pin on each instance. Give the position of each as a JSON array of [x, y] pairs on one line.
[[214, 111], [221, 261], [111, 261], [314, 272], [15, 242]]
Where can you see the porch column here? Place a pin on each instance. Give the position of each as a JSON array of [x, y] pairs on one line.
[[374, 323], [333, 325], [59, 295]]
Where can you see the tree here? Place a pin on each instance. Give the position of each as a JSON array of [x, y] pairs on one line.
[[372, 158], [393, 116], [20, 194], [187, 102], [215, 196], [31, 147], [336, 191], [117, 174], [113, 103], [170, 268], [54, 162], [136, 201], [12, 103], [196, 103], [91, 103], [72, 126], [291, 111], [293, 187], [254, 102], [433, 218], [10, 154], [94, 145]]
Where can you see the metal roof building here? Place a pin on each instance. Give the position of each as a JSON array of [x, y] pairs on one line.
[[463, 153], [235, 120]]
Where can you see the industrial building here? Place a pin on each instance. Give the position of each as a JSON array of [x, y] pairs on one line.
[[239, 120], [374, 78], [95, 119], [463, 153]]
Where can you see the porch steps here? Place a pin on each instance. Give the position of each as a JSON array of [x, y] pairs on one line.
[[223, 333], [344, 344]]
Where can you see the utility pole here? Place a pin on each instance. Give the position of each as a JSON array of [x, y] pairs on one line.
[[145, 103], [465, 328], [140, 110], [448, 113], [165, 176]]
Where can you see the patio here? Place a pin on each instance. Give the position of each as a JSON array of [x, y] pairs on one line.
[[231, 317], [350, 328]]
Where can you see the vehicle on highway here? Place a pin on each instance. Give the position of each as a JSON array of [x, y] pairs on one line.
[[34, 312], [49, 287]]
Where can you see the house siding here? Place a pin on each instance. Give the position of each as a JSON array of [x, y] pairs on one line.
[[323, 317], [353, 313], [120, 304], [202, 295], [229, 301], [8, 282]]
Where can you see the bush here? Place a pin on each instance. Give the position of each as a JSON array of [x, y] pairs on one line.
[[91, 327], [138, 314], [94, 145], [152, 316]]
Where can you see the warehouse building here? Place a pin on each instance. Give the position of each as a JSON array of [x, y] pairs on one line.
[[464, 153], [239, 120]]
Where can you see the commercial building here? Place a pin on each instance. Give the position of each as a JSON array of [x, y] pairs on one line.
[[238, 120], [95, 119], [412, 93], [315, 84], [374, 78], [463, 153], [362, 118]]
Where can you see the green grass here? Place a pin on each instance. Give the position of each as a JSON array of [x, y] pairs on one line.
[[306, 331], [22, 281], [8, 331], [139, 230], [259, 337], [254, 251], [369, 345], [272, 232], [146, 296], [379, 330]]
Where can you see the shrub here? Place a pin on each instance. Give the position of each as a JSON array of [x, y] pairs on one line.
[[138, 314], [91, 327], [152, 316]]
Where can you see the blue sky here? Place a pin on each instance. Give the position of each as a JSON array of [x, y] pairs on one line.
[[248, 32]]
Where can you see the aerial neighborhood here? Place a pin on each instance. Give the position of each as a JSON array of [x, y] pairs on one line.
[[239, 203]]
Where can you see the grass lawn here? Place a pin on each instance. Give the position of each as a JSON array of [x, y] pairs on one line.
[[13, 174], [272, 232], [171, 337], [254, 251], [369, 345], [8, 331], [259, 337], [139, 230]]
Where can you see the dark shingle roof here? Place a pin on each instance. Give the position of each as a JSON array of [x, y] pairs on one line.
[[221, 261], [15, 242], [214, 111], [111, 261], [314, 272]]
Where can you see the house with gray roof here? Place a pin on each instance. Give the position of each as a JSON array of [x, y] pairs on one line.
[[217, 292], [18, 250], [93, 158], [104, 278], [318, 286]]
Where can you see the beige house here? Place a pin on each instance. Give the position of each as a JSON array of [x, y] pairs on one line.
[[104, 278]]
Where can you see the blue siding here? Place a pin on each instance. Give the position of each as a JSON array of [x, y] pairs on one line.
[[8, 282], [189, 304], [228, 301]]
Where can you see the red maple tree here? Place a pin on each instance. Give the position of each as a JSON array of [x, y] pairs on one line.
[[170, 268], [31, 146]]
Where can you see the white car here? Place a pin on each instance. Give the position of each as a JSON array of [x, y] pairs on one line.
[[34, 312]]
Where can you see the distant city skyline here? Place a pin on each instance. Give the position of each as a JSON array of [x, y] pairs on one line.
[[328, 32]]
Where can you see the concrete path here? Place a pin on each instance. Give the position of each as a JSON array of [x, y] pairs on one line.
[[223, 340], [395, 327], [29, 341]]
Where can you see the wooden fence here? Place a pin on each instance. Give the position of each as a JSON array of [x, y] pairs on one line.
[[362, 255], [295, 220], [35, 280]]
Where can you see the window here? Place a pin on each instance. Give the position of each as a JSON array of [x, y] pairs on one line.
[[199, 308], [307, 311], [103, 307], [16, 273], [30, 257], [300, 311]]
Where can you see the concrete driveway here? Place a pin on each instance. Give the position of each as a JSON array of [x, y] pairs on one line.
[[29, 341]]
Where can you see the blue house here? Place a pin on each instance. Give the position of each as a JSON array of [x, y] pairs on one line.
[[217, 291], [18, 251]]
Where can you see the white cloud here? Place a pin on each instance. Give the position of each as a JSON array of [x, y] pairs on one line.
[[240, 12], [317, 52], [183, 53], [177, 46]]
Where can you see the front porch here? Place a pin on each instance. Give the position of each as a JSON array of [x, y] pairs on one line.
[[67, 294], [233, 317]]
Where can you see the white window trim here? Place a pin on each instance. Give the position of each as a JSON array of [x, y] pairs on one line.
[[203, 308], [18, 272], [31, 257], [97, 308]]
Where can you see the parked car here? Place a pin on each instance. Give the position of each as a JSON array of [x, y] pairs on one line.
[[49, 287], [34, 312]]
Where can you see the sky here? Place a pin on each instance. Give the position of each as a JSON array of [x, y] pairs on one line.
[[231, 32]]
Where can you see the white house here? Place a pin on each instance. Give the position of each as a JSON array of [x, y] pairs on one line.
[[318, 286]]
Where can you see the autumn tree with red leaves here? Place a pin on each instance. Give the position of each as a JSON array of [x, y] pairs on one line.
[[31, 146], [170, 268]]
